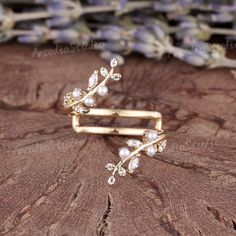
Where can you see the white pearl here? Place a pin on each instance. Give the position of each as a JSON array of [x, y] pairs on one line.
[[102, 90], [76, 93], [89, 101], [152, 135], [151, 151], [124, 153]]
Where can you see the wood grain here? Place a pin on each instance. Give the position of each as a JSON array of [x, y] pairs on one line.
[[53, 181]]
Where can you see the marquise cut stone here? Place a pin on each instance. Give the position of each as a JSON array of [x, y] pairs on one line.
[[133, 164], [93, 80], [114, 62]]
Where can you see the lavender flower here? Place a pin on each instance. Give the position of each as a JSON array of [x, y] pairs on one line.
[[142, 32]]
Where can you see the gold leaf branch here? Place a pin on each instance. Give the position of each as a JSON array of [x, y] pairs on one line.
[[71, 100], [159, 143]]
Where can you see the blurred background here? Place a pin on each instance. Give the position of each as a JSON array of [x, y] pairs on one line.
[[198, 32]]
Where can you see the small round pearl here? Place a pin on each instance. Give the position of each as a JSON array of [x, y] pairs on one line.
[[89, 101], [124, 153], [76, 93], [102, 90], [152, 135], [151, 151]]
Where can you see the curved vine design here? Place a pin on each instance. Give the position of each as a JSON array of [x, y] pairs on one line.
[[153, 142], [80, 100]]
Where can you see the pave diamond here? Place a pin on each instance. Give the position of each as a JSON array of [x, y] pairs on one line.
[[134, 143], [114, 62], [110, 166], [121, 171], [111, 180], [116, 76], [104, 72]]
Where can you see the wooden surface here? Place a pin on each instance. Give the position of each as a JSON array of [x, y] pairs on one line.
[[53, 181]]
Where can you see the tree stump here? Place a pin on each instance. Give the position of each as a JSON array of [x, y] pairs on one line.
[[53, 181]]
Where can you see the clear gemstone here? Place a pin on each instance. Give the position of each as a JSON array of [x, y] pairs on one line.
[[111, 180], [116, 76], [133, 164], [104, 72], [114, 62], [76, 93], [93, 80], [110, 166], [121, 171], [134, 143]]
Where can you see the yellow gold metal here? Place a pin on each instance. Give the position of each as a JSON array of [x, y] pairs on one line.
[[153, 115], [137, 151], [93, 91], [79, 103]]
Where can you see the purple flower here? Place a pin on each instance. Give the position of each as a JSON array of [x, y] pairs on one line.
[[65, 36], [110, 33], [30, 39], [60, 21], [144, 36]]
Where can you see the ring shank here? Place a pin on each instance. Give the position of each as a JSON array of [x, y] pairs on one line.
[[117, 113], [124, 113]]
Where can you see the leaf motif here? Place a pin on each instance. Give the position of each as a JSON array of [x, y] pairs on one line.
[[134, 143], [104, 71], [93, 80], [116, 76], [114, 63], [133, 164], [80, 109], [111, 180], [110, 166], [121, 171]]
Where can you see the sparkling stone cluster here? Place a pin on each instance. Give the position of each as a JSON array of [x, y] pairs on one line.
[[83, 100], [150, 136]]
